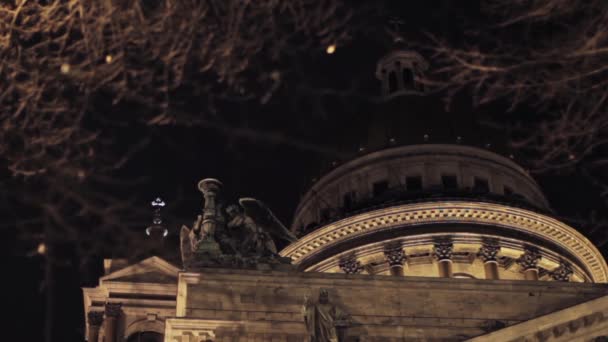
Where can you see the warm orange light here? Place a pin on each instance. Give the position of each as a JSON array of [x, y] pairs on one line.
[[41, 248], [65, 68], [109, 59], [331, 49]]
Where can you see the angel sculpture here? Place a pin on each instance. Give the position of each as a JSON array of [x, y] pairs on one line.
[[189, 239], [256, 226]]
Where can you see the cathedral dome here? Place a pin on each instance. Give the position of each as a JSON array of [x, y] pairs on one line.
[[445, 210]]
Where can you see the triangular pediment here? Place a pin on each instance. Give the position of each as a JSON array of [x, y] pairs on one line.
[[150, 270]]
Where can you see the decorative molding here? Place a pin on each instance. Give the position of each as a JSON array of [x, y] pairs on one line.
[[395, 256], [113, 309], [489, 251], [350, 265], [150, 264], [145, 324], [474, 213], [563, 272], [95, 318], [529, 260], [443, 250]]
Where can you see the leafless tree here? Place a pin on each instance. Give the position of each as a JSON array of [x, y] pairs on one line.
[[545, 56], [74, 71]]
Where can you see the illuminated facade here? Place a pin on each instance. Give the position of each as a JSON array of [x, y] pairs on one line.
[[426, 242]]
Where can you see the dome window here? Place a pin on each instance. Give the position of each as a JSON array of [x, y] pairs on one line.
[[449, 182], [413, 183]]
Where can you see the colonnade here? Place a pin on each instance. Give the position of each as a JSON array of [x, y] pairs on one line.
[[443, 251]]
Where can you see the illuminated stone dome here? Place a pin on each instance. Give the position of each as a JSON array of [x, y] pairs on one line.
[[438, 210]]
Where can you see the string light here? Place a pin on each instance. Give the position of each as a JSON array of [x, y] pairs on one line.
[[331, 49], [109, 59]]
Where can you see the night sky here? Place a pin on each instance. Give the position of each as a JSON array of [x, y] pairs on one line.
[[271, 152]]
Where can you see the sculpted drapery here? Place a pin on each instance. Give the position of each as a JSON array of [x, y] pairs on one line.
[[323, 319]]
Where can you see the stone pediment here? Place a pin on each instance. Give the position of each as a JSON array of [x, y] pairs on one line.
[[147, 277], [151, 270]]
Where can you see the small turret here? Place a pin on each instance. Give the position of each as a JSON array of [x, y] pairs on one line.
[[399, 71]]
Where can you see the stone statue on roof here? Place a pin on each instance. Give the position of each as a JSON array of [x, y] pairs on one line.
[[241, 236]]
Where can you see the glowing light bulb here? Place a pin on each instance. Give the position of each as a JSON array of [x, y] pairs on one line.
[[331, 49], [109, 59]]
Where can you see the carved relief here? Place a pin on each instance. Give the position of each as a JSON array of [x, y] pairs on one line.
[[489, 251], [563, 272], [530, 258], [350, 265], [443, 250], [394, 255], [113, 309], [95, 318]]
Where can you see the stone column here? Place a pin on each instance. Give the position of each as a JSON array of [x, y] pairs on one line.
[[563, 272], [443, 252], [488, 253], [210, 188], [396, 258], [350, 265], [95, 319], [113, 311], [529, 262]]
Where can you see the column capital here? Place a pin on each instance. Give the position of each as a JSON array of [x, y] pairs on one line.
[[95, 318], [529, 259], [443, 250], [489, 251], [563, 272], [350, 265], [395, 256], [113, 309]]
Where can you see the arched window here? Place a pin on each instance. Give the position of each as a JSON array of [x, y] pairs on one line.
[[408, 78], [145, 336], [392, 82]]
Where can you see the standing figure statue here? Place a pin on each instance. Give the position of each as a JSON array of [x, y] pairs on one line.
[[325, 322], [256, 226]]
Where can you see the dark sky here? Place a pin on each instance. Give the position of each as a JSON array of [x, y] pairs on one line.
[[270, 152]]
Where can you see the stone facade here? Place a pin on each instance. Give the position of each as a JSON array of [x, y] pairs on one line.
[[224, 305], [439, 269], [248, 305]]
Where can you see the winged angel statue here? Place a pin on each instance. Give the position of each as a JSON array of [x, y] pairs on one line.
[[241, 235]]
